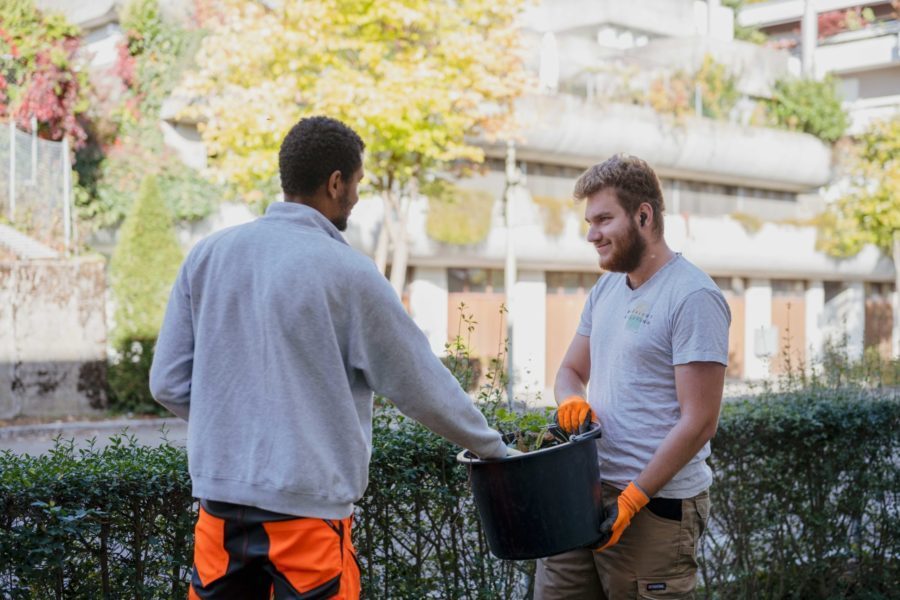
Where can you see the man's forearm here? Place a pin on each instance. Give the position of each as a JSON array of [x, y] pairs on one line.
[[568, 383], [699, 388], [677, 449]]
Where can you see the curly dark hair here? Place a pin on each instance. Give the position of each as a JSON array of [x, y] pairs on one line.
[[633, 181], [315, 148]]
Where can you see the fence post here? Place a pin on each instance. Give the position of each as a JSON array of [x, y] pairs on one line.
[[67, 196], [12, 170]]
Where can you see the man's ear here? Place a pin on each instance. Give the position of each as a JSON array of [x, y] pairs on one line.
[[334, 182], [644, 213]]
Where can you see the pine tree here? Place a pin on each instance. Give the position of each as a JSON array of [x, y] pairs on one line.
[[142, 270]]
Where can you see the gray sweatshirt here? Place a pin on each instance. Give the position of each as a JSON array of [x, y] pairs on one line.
[[275, 336]]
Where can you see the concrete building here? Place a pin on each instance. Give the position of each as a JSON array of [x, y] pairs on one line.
[[737, 194], [857, 42]]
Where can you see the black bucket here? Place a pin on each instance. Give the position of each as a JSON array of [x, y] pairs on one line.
[[540, 503]]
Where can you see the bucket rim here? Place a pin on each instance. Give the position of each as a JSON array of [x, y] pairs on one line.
[[466, 457]]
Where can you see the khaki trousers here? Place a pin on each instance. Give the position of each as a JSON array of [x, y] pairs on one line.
[[656, 557]]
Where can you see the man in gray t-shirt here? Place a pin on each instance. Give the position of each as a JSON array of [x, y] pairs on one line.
[[653, 342]]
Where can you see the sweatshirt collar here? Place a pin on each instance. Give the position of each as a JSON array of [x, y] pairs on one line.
[[300, 214]]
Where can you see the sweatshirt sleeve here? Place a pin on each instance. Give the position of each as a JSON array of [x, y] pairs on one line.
[[397, 361], [173, 359]]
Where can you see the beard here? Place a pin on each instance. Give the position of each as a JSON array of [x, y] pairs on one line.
[[628, 255], [340, 221]]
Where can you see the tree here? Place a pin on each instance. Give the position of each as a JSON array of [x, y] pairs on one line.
[[870, 212], [418, 79], [142, 269], [144, 265], [126, 137], [40, 77]]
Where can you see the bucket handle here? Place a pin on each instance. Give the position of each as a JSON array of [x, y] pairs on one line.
[[593, 432], [466, 457]]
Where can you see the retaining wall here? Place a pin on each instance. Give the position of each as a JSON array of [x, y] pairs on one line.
[[52, 337]]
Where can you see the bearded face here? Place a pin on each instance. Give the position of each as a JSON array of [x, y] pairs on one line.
[[614, 233], [626, 253], [345, 205]]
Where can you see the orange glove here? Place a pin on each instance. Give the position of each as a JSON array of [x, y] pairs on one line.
[[573, 411], [629, 502]]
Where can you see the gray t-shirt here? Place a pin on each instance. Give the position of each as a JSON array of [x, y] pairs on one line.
[[637, 337]]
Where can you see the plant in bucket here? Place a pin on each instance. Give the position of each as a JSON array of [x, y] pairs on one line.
[[545, 501]]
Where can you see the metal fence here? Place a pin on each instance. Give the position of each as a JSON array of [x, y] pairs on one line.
[[36, 180]]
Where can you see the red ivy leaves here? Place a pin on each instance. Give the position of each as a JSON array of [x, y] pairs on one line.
[[126, 64], [4, 101], [13, 49], [52, 95], [831, 23]]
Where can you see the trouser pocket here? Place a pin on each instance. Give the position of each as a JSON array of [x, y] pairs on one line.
[[308, 553], [667, 587]]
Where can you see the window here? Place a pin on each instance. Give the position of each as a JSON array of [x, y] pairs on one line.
[[475, 280], [563, 282], [788, 287]]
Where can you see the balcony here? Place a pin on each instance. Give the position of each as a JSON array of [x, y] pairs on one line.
[[758, 66], [767, 14], [864, 111], [656, 17], [572, 131], [870, 48]]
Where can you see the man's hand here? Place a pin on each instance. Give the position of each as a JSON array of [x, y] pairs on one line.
[[619, 516], [572, 413]]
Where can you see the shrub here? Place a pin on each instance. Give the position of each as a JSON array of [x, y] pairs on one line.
[[809, 106], [467, 370], [110, 523], [111, 188], [118, 523], [805, 504], [417, 532], [125, 131], [143, 267], [805, 501], [128, 376]]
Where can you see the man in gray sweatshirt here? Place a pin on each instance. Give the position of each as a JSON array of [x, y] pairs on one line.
[[276, 334]]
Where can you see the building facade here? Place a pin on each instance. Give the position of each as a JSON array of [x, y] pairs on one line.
[[740, 197]]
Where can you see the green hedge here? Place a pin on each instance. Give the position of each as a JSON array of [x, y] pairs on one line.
[[93, 523], [804, 506], [806, 501]]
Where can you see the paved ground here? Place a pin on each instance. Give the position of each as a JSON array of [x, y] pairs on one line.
[[37, 439]]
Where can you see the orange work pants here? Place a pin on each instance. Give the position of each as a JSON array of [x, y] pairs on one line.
[[249, 553]]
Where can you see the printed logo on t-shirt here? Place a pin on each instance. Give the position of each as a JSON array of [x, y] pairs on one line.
[[636, 316]]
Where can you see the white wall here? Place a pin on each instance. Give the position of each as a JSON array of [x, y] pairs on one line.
[[895, 348], [52, 337], [854, 299], [815, 309], [844, 318], [529, 343], [757, 322], [428, 305]]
